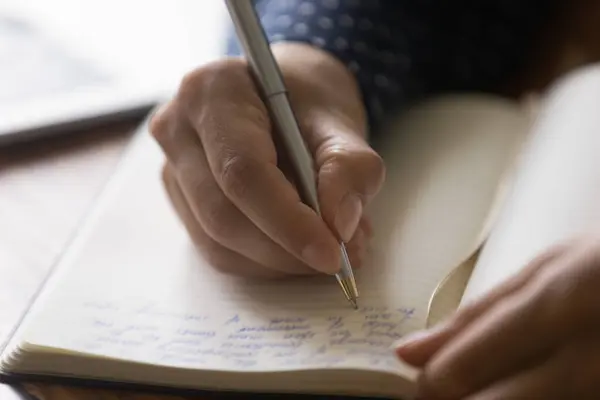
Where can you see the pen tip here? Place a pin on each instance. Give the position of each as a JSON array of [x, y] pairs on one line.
[[354, 304]]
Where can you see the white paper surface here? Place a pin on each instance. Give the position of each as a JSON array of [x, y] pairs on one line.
[[557, 188]]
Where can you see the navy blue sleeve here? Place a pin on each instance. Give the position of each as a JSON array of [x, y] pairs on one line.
[[403, 50]]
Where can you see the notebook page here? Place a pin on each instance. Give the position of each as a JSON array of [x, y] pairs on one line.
[[135, 288], [557, 190]]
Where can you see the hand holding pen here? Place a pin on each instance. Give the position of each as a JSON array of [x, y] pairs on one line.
[[230, 183]]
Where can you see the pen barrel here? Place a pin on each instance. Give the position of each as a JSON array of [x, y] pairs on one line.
[[269, 81], [254, 42], [270, 84], [285, 122]]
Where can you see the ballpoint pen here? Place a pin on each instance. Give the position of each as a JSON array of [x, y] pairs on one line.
[[268, 78]]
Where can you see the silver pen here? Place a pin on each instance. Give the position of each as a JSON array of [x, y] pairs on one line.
[[268, 78]]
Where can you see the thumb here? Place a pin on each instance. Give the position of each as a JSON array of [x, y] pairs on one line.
[[350, 174]]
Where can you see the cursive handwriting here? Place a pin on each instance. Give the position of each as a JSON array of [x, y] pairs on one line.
[[244, 342]]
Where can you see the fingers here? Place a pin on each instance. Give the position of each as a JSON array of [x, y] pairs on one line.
[[224, 259], [350, 174], [218, 140], [570, 289], [515, 330], [539, 382], [219, 257], [219, 218], [333, 122], [418, 351], [233, 126], [571, 373]]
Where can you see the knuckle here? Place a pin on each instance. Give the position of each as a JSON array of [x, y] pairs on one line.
[[192, 87], [363, 166], [338, 159], [161, 124], [236, 174], [209, 79], [220, 96]]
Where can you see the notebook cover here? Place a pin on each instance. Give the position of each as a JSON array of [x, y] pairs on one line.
[[19, 379]]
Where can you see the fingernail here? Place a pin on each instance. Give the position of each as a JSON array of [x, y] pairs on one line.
[[320, 257], [348, 216]]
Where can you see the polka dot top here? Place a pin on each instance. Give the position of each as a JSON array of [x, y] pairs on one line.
[[403, 50]]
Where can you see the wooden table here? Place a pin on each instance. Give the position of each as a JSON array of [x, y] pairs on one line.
[[47, 187]]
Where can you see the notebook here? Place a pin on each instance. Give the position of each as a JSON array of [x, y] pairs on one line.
[[133, 304]]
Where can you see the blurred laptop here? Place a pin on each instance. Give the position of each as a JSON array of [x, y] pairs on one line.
[[69, 64]]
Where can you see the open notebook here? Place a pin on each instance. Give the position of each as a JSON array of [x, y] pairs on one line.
[[132, 302]]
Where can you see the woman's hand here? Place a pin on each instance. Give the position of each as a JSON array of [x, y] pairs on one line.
[[535, 337], [230, 185]]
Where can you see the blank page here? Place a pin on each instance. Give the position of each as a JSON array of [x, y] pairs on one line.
[[133, 287], [557, 189]]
